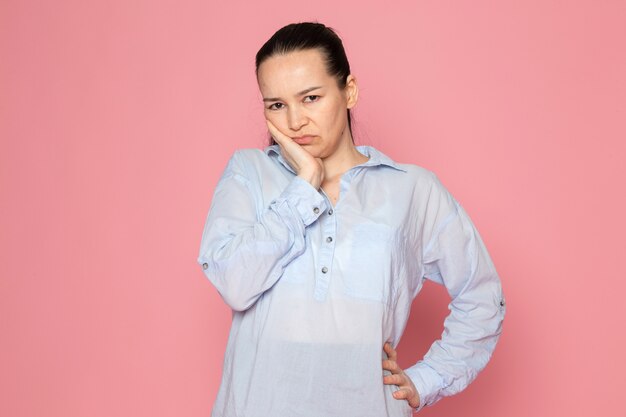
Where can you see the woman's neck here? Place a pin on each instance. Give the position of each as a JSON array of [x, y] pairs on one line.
[[342, 160]]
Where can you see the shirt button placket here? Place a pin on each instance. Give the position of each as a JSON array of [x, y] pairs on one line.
[[326, 253]]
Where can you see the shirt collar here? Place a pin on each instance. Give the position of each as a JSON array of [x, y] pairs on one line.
[[376, 157]]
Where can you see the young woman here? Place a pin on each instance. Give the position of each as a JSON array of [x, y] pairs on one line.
[[319, 247]]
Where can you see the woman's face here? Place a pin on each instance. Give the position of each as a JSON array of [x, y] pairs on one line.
[[302, 100]]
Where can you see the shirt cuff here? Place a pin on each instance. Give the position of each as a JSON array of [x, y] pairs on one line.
[[427, 382], [304, 198]]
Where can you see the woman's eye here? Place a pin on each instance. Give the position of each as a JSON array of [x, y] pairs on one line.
[[308, 99]]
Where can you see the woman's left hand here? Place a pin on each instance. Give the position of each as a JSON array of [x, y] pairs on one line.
[[407, 390]]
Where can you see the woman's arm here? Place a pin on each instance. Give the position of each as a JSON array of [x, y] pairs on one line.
[[243, 253], [456, 257]]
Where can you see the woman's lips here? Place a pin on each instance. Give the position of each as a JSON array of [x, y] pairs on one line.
[[303, 140]]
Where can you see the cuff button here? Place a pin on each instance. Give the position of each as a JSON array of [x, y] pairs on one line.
[[316, 210], [205, 265]]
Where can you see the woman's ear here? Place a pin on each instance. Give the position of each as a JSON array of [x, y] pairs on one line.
[[352, 91]]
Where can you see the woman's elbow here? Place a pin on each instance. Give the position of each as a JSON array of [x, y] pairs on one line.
[[234, 294]]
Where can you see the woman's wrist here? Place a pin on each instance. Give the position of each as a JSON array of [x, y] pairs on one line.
[[312, 178]]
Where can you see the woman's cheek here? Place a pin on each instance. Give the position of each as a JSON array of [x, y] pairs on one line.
[[274, 118]]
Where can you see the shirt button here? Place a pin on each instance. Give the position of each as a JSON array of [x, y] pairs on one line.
[[330, 212], [502, 303], [324, 270], [329, 239], [205, 265], [316, 210]]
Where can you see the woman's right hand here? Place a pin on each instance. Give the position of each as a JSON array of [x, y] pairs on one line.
[[306, 165]]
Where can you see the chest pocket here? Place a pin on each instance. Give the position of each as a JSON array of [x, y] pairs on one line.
[[367, 274]]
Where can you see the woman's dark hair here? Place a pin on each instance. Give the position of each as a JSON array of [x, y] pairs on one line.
[[310, 35]]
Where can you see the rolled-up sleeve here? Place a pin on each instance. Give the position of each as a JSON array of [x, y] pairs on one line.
[[456, 257], [244, 247]]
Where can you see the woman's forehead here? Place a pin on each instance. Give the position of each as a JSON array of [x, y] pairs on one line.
[[292, 72]]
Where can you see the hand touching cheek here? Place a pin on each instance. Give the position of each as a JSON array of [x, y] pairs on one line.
[[305, 165]]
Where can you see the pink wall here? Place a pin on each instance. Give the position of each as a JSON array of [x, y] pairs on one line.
[[117, 118]]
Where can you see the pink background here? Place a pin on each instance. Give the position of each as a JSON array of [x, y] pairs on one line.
[[117, 118]]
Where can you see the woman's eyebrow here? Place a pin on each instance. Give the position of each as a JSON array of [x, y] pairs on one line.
[[301, 93]]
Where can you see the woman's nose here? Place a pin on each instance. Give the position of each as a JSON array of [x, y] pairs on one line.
[[296, 118]]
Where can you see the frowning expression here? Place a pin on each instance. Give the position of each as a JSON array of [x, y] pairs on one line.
[[304, 102]]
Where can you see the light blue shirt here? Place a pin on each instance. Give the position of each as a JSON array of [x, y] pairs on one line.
[[316, 290]]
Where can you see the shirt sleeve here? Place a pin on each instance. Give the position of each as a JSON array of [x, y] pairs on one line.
[[245, 247], [455, 256]]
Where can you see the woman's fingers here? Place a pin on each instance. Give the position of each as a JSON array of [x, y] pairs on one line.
[[403, 393], [391, 363], [305, 165], [407, 390], [291, 150], [395, 379], [278, 136], [391, 353], [288, 147]]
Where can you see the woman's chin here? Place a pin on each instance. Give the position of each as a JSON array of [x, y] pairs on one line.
[[311, 148]]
